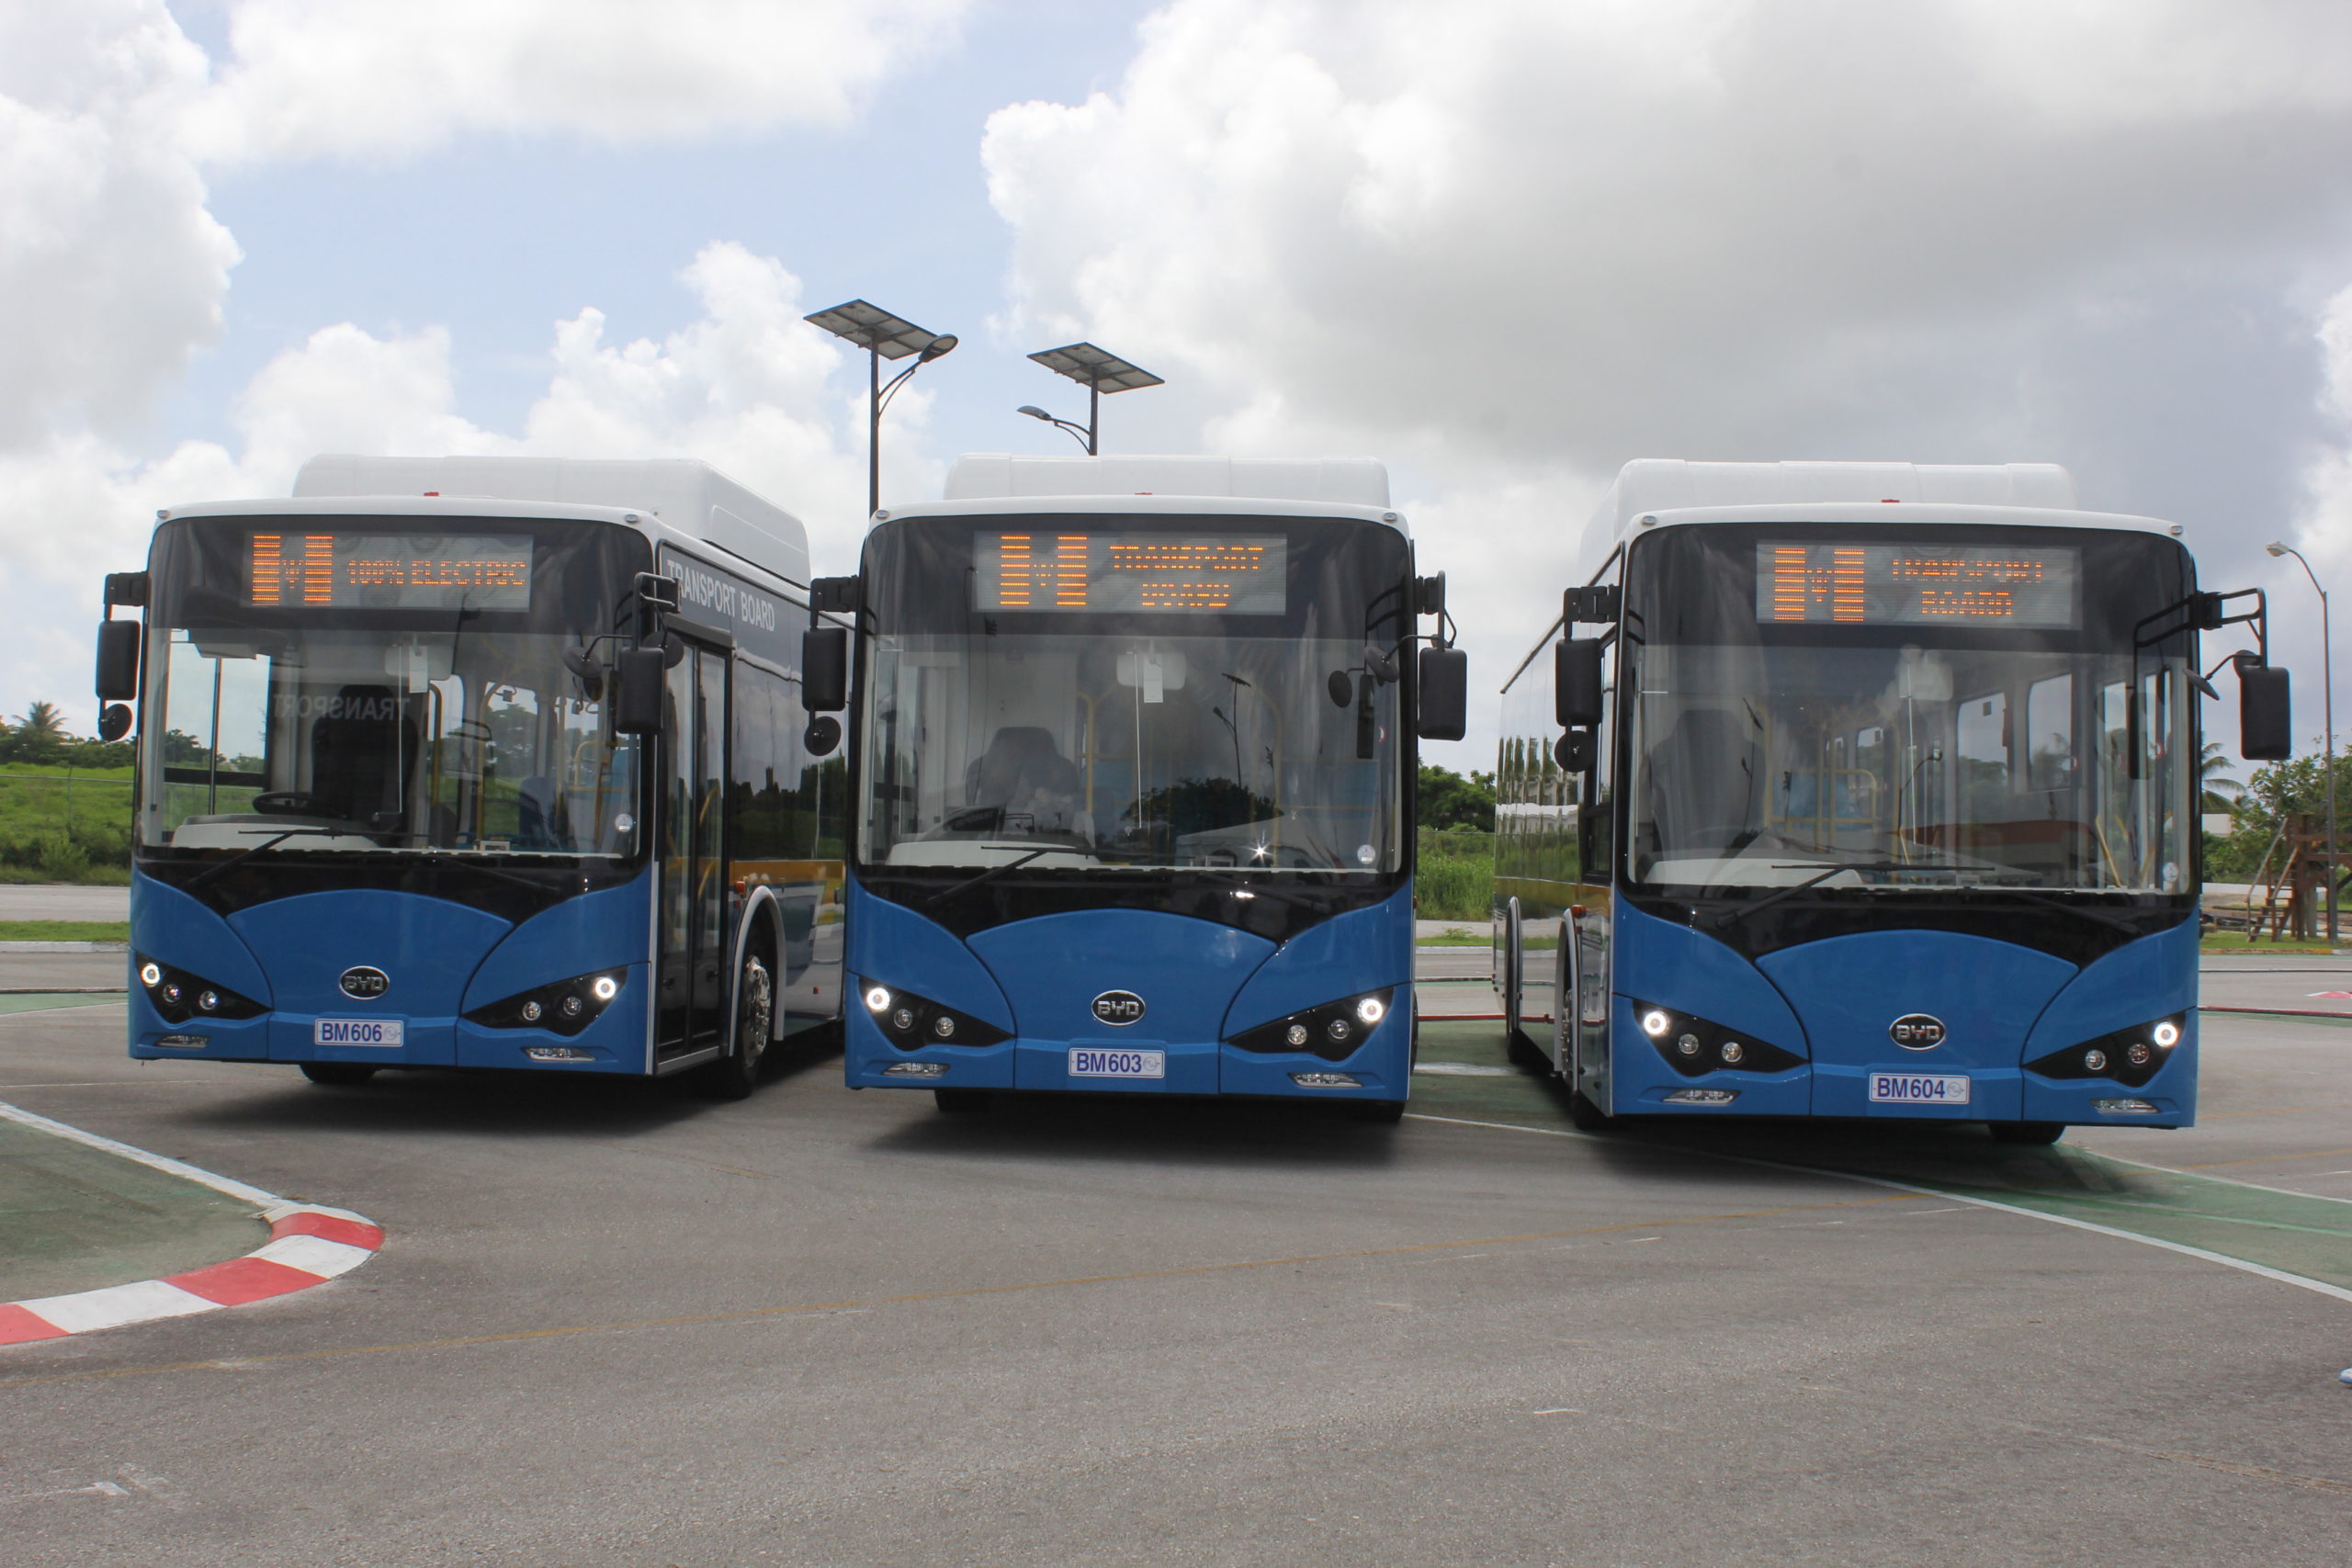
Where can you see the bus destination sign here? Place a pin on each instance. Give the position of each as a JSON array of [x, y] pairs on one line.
[[1918, 585], [431, 571], [1223, 574]]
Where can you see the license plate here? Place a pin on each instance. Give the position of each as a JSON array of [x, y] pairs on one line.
[[358, 1032], [1918, 1088], [1103, 1062]]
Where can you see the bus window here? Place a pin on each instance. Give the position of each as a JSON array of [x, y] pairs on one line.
[[2050, 733]]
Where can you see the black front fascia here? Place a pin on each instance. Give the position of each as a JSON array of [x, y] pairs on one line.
[[893, 599], [1279, 908], [2077, 926], [512, 887]]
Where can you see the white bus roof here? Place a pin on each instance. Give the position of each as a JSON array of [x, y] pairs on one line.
[[1671, 491], [1001, 482], [691, 499]]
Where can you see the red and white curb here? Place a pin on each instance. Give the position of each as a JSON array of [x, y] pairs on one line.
[[308, 1245]]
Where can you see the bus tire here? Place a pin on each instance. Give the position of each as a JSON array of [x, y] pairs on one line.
[[2027, 1131], [1587, 1117], [1376, 1113], [735, 1075], [342, 1074], [961, 1101]]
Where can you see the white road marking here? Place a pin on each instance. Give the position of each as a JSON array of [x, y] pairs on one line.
[[2321, 1286]]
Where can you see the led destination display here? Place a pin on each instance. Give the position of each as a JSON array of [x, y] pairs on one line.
[[1918, 585], [431, 571], [1226, 574]]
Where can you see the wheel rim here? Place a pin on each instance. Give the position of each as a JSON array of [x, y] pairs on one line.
[[756, 1014]]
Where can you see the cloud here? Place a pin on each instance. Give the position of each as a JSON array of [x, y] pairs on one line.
[[743, 385], [1511, 246], [357, 78], [112, 269]]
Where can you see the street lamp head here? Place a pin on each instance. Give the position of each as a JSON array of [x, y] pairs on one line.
[[938, 346], [2275, 548], [1033, 411]]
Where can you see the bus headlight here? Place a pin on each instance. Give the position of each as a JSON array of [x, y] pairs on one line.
[[1333, 1030], [1692, 1045], [910, 1022], [179, 996], [566, 1007], [2129, 1056]]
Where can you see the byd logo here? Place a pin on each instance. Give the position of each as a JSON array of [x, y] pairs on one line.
[[1916, 1031], [364, 983], [1119, 1008]]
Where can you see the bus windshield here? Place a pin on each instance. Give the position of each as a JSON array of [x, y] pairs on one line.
[[1801, 710], [301, 702], [1252, 727]]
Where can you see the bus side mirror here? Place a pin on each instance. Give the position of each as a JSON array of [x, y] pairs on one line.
[[1575, 681], [1443, 711], [114, 721], [2265, 723], [1573, 751], [117, 660], [639, 676], [824, 668]]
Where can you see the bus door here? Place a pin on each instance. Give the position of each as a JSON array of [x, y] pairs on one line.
[[692, 998]]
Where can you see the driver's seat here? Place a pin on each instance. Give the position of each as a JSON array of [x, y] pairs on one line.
[[357, 752]]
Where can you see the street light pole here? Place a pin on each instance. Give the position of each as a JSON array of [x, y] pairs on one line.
[[883, 336], [1100, 372], [2327, 701]]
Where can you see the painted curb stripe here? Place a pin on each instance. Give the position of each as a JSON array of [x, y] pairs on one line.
[[308, 1245]]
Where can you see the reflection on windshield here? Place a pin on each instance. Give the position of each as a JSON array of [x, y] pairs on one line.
[[477, 741], [1268, 753], [1764, 766]]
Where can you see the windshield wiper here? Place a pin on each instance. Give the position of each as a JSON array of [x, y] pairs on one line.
[[989, 875], [1733, 917], [2101, 916], [242, 856]]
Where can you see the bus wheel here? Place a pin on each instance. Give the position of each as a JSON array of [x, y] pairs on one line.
[[1379, 1113], [2027, 1131], [338, 1072], [960, 1101], [734, 1076], [1587, 1117]]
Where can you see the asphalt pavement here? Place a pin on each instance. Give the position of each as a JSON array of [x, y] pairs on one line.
[[614, 1324], [62, 901]]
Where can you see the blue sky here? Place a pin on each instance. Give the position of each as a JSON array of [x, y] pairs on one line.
[[498, 237]]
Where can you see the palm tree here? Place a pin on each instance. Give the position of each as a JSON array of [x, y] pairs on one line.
[[41, 724], [2220, 792]]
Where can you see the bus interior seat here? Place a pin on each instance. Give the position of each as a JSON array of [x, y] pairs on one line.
[[1706, 776], [355, 761], [1024, 775]]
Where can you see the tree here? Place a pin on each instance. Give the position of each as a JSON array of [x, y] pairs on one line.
[[1448, 800], [2222, 793]]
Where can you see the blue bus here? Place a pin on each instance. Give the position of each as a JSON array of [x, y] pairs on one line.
[[1869, 791], [476, 763], [1132, 771]]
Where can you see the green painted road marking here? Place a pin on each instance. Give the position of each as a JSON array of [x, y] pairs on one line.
[[2311, 1236], [42, 1001], [73, 1218]]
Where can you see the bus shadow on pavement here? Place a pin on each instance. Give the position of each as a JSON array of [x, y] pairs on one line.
[[508, 1104], [1171, 1130]]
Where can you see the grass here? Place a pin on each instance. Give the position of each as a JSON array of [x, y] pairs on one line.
[[1455, 879], [61, 825], [64, 930]]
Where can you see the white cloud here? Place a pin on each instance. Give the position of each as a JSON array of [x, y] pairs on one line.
[[743, 385], [112, 270], [340, 78], [1510, 245]]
